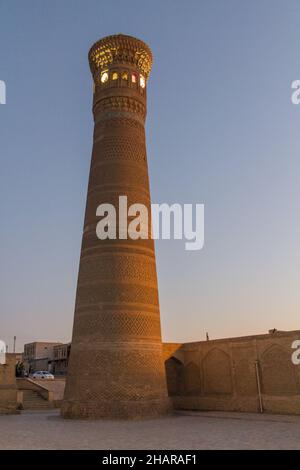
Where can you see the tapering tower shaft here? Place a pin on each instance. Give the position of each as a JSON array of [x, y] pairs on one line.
[[116, 368]]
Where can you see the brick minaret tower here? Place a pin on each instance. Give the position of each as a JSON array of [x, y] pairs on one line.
[[116, 368]]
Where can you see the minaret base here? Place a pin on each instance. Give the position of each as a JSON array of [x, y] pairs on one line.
[[128, 410]]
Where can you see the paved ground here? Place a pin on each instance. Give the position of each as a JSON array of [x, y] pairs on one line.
[[190, 430]]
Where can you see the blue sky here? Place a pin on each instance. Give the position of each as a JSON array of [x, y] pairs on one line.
[[221, 130]]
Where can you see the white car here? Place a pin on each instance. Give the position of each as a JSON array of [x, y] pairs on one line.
[[42, 374]]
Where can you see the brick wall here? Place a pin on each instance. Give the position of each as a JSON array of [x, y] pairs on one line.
[[223, 375], [8, 389]]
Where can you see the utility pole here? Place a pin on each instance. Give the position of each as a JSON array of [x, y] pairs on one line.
[[15, 338]]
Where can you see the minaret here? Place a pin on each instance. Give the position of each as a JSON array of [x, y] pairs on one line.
[[116, 368]]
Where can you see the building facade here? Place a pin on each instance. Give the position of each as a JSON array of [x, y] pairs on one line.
[[39, 356], [61, 354]]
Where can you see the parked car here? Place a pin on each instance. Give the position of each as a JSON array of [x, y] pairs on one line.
[[42, 374]]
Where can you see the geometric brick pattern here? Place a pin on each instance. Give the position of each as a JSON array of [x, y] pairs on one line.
[[134, 268], [113, 325]]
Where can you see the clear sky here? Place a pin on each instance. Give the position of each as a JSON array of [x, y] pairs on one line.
[[221, 130]]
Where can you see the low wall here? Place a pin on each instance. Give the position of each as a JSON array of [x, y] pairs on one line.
[[235, 374], [41, 389], [50, 390], [56, 387]]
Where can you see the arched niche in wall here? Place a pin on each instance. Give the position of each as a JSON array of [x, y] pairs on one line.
[[277, 371], [217, 374], [175, 376]]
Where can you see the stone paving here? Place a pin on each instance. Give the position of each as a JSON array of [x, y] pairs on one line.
[[185, 430]]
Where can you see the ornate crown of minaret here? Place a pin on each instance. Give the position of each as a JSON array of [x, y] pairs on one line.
[[120, 49], [116, 368]]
